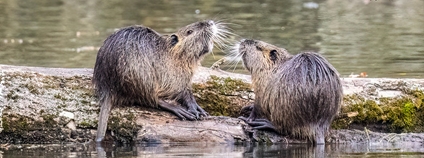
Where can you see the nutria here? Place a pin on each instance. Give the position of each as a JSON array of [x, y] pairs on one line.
[[295, 95], [136, 65]]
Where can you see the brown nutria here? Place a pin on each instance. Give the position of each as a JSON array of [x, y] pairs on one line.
[[137, 65], [297, 95]]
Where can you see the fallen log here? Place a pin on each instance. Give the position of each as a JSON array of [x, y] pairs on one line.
[[53, 105]]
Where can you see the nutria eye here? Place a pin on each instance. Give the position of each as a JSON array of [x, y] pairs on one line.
[[258, 48], [189, 32], [174, 40], [273, 55]]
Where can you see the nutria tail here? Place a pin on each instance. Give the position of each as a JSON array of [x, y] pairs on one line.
[[105, 101]]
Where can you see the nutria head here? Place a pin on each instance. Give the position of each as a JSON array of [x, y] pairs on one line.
[[261, 56], [197, 39]]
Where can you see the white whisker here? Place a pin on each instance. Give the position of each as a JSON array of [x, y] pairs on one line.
[[235, 66], [234, 56]]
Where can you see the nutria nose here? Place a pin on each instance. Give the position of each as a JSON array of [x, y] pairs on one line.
[[210, 22]]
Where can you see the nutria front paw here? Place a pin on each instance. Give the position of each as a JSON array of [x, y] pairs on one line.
[[247, 108], [246, 111]]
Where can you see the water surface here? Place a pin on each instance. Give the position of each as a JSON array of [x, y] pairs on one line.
[[219, 150], [383, 38]]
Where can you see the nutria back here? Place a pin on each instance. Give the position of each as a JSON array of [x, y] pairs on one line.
[[304, 96], [125, 65], [299, 95]]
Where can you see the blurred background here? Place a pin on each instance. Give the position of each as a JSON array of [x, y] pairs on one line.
[[382, 38]]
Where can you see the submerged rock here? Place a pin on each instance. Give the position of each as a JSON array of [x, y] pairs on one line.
[[53, 105]]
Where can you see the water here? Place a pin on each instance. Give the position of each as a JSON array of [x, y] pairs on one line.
[[383, 38], [233, 151]]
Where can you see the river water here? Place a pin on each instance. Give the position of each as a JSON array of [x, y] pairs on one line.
[[383, 38], [220, 150]]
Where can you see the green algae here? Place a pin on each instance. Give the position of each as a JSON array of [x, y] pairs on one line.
[[261, 137], [13, 123], [400, 114], [48, 121], [87, 124], [123, 126], [222, 96], [16, 124]]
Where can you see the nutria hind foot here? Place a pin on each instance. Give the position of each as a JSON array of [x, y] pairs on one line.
[[197, 111], [178, 110], [252, 120], [259, 124], [262, 124]]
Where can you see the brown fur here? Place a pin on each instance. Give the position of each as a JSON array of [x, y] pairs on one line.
[[137, 65], [299, 95]]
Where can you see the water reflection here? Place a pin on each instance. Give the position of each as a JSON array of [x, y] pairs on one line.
[[219, 150], [173, 150], [382, 38], [284, 150]]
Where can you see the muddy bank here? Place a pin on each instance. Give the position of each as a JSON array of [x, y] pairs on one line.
[[53, 105]]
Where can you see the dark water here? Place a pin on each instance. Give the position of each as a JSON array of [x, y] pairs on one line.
[[222, 151], [383, 38]]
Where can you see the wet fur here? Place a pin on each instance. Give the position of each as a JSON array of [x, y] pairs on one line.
[[137, 65], [299, 94]]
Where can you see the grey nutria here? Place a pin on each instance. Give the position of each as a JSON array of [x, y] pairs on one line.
[[295, 95], [137, 65]]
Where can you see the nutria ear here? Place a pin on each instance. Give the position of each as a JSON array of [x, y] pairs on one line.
[[259, 48], [174, 40], [273, 55]]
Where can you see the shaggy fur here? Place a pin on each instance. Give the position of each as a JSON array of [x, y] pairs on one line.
[[137, 65], [299, 95]]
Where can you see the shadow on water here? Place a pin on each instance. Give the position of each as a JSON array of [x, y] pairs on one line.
[[216, 150]]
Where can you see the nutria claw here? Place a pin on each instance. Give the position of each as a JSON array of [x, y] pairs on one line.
[[261, 124], [243, 118], [246, 119], [196, 110], [177, 110]]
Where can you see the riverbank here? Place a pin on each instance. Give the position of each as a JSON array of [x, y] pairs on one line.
[[54, 105]]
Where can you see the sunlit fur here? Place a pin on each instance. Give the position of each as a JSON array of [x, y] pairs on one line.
[[299, 94], [137, 65]]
